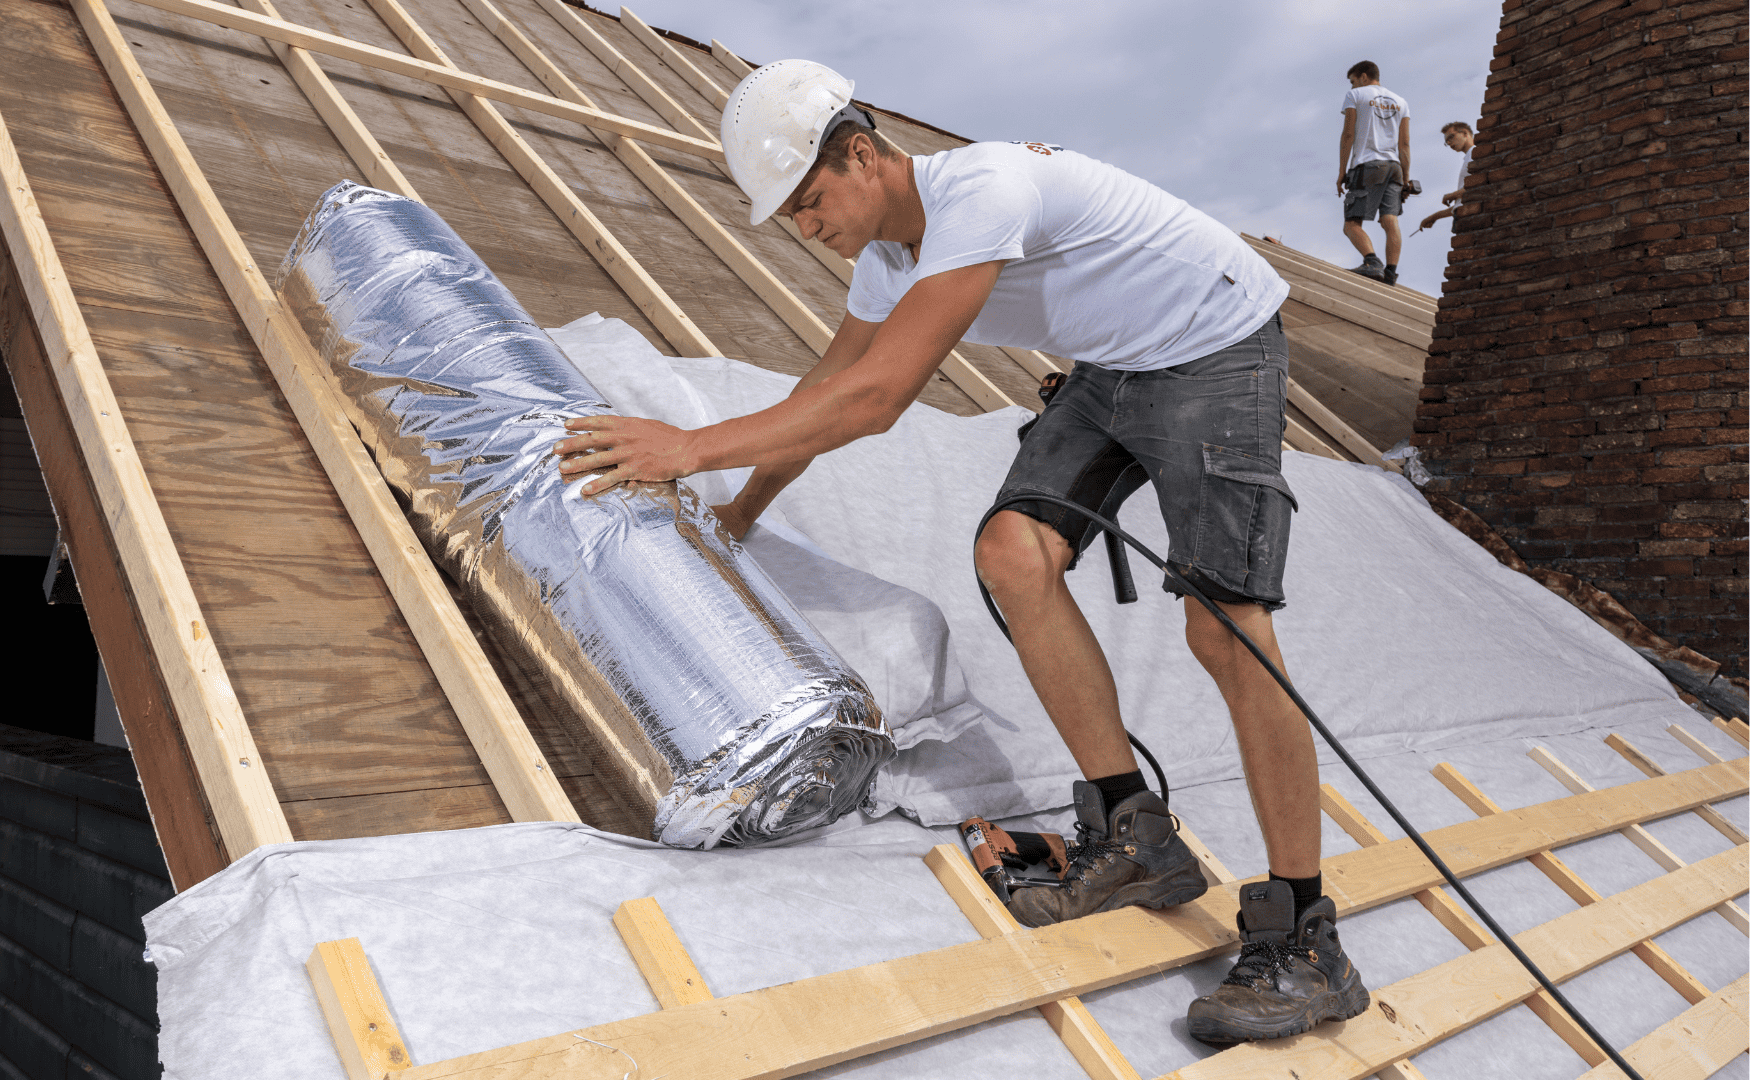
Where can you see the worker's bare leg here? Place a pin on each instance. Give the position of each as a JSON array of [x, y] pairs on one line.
[[1276, 743], [1261, 999], [1022, 562], [1394, 238], [1358, 237], [1133, 853]]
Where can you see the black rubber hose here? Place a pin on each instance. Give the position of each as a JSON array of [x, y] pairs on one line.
[[1191, 590]]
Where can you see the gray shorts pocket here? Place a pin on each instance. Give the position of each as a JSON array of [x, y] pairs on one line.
[[1244, 509]]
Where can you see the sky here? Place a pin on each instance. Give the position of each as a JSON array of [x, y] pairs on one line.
[[1234, 106]]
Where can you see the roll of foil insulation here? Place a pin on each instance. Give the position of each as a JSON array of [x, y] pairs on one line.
[[724, 714]]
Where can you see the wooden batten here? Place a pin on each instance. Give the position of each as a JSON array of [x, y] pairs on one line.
[[674, 58], [1636, 834], [1694, 1045], [206, 712], [518, 770], [1452, 915], [961, 985], [652, 300], [1648, 767], [1441, 1002], [358, 1018], [1082, 1035], [1573, 885], [437, 74], [374, 164]]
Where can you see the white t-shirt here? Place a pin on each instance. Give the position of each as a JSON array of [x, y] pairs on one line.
[[1463, 174], [1101, 266], [1377, 113]]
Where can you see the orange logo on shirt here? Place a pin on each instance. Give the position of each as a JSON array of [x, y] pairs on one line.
[[1039, 147], [1384, 108]]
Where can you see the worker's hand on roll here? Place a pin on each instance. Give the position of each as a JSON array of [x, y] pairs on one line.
[[622, 448]]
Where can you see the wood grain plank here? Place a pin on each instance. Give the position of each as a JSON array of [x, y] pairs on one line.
[[506, 750], [209, 716], [193, 849]]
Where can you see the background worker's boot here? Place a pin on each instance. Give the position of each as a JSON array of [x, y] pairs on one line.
[[1131, 857], [1291, 973]]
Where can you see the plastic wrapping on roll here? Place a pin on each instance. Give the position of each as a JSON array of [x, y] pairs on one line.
[[724, 714]]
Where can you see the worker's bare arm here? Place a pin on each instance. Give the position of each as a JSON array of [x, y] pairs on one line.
[[1428, 222], [1404, 147], [1343, 146], [848, 346], [864, 398]]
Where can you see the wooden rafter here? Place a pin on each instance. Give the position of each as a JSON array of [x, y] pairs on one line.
[[230, 767], [358, 1018], [518, 770]]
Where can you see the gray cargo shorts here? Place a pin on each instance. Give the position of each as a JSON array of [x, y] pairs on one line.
[[1373, 187], [1207, 433]]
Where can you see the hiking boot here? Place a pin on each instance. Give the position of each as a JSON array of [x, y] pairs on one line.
[[1132, 857], [1391, 275], [1291, 973], [1370, 267]]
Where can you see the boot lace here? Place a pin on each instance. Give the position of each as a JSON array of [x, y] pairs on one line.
[[1264, 960], [1087, 850]]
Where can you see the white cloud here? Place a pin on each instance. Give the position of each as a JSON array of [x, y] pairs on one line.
[[1230, 105]]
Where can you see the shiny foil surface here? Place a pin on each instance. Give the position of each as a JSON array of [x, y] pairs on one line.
[[728, 713]]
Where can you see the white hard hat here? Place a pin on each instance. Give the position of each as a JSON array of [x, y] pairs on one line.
[[774, 123]]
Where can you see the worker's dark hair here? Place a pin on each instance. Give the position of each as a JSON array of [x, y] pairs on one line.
[[835, 152], [1366, 68], [1456, 125]]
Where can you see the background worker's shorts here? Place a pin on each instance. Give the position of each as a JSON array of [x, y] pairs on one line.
[[1373, 187], [1208, 433]]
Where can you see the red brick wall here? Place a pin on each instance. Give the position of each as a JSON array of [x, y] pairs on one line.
[[1585, 393]]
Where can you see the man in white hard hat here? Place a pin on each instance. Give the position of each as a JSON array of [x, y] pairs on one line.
[[1180, 379]]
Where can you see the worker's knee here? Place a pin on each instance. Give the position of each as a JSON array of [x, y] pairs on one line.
[[1211, 642], [1016, 553]]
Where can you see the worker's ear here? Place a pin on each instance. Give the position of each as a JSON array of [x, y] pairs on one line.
[[862, 150]]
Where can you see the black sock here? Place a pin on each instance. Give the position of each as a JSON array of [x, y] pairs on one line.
[[1370, 258], [1307, 891], [1115, 789], [1391, 268]]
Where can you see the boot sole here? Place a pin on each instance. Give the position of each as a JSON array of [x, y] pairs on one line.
[[1331, 1005]]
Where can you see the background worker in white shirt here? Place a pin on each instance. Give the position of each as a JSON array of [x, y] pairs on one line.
[[1373, 164], [1458, 136], [1180, 380]]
